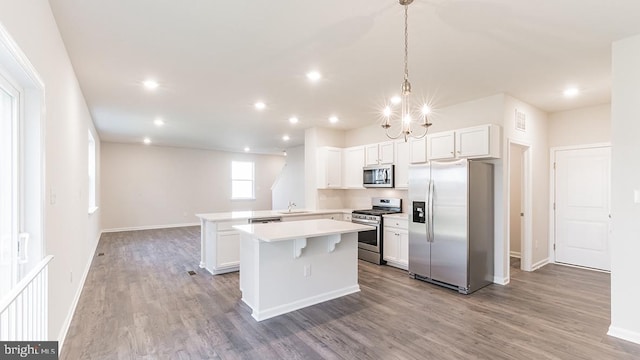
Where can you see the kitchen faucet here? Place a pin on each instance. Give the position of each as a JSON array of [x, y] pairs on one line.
[[291, 204]]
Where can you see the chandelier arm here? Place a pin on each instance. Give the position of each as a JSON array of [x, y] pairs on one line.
[[393, 137]]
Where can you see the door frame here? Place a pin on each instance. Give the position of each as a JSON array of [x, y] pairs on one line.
[[552, 190], [526, 241]]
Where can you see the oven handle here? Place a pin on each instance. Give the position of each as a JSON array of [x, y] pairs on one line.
[[365, 222]]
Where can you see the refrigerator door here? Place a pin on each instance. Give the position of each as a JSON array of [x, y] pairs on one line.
[[419, 246], [449, 245]]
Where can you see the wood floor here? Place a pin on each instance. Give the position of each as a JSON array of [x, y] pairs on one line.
[[139, 302]]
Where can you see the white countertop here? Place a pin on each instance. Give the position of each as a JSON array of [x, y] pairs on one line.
[[300, 229], [400, 216], [244, 215]]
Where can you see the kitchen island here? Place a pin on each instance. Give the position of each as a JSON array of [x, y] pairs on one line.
[[292, 265], [220, 242]]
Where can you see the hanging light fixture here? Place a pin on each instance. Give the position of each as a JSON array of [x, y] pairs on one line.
[[406, 121]]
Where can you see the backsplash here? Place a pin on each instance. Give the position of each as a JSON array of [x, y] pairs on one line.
[[358, 199]]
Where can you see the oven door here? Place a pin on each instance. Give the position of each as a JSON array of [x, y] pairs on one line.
[[370, 239]]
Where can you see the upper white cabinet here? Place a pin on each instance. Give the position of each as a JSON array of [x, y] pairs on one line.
[[381, 153], [329, 168], [417, 151], [475, 142], [402, 155], [352, 164]]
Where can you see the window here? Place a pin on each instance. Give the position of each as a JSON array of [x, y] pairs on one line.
[[242, 180], [92, 174], [9, 189]]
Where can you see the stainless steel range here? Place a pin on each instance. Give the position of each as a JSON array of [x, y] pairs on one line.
[[370, 242]]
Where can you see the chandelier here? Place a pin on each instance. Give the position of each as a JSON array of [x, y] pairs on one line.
[[406, 121]]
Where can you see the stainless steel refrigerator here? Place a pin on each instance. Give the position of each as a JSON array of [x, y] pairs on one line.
[[451, 225]]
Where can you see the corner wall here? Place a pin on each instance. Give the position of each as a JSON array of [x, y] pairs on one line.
[[625, 184], [71, 235]]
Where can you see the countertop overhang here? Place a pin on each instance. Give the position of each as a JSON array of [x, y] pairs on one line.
[[245, 215], [273, 232]]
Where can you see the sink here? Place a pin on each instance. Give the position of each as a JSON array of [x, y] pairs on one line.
[[294, 212]]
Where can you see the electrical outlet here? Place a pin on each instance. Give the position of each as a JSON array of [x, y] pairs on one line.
[[307, 270]]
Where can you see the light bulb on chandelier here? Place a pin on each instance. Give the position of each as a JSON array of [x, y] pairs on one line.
[[406, 122]]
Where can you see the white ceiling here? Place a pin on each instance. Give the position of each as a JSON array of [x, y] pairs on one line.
[[214, 59]]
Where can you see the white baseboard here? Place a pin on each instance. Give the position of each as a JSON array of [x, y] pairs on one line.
[[67, 321], [624, 334], [515, 254], [302, 303], [500, 281], [149, 227], [539, 264]]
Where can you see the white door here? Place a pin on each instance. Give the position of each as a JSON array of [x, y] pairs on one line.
[[582, 199]]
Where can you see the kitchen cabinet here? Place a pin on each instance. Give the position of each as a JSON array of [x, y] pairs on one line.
[[329, 162], [402, 158], [396, 242], [474, 142], [417, 150], [381, 153], [353, 162], [224, 244]]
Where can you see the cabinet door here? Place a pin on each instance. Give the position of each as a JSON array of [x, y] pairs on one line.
[[390, 244], [228, 249], [371, 157], [417, 151], [403, 247], [441, 145], [473, 142], [402, 155], [353, 162], [329, 168], [386, 152]]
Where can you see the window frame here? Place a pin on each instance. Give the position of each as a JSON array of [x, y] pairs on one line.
[[252, 180], [92, 174]]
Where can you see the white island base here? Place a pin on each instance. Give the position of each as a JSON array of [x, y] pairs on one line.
[[289, 266]]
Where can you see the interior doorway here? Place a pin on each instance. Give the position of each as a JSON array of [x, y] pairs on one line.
[[519, 207]]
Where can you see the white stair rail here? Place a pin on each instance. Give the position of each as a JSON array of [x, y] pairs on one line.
[[24, 310]]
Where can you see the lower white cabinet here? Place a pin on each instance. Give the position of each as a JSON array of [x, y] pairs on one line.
[[396, 243], [222, 246]]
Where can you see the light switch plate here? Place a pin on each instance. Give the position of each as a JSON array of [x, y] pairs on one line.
[[636, 196]]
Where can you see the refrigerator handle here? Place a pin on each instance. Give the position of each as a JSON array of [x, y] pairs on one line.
[[430, 212]]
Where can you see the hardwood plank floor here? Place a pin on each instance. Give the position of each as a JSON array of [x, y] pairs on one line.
[[139, 302]]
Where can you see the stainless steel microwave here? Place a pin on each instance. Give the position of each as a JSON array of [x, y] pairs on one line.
[[378, 176]]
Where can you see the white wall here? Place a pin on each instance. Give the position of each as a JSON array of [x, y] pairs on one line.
[[625, 180], [535, 137], [153, 186], [70, 233], [289, 185], [588, 125]]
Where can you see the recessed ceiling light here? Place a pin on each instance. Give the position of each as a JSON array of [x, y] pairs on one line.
[[571, 92], [158, 122], [285, 137], [247, 149], [293, 120], [396, 100], [260, 105], [147, 141], [333, 119], [314, 75], [150, 84]]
